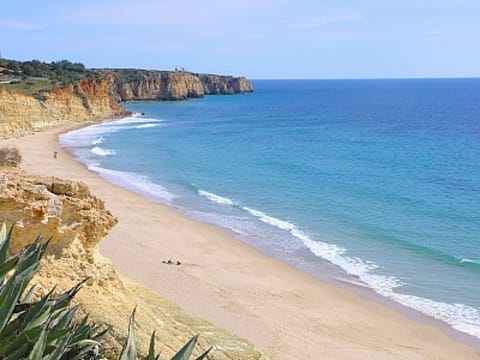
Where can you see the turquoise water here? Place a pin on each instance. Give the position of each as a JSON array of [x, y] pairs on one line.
[[375, 182]]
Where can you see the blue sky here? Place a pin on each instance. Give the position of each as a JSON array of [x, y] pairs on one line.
[[255, 38]]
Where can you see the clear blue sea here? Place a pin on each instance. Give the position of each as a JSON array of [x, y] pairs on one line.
[[374, 182]]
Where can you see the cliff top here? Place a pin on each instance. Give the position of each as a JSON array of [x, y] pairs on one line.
[[36, 76]]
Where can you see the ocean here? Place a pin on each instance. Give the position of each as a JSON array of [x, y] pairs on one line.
[[370, 182]]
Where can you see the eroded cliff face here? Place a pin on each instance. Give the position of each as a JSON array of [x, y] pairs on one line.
[[76, 220], [167, 85], [90, 100], [98, 99], [156, 85], [225, 85]]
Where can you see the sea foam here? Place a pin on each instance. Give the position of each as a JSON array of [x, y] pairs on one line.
[[98, 140], [215, 198], [461, 317], [91, 134], [146, 126], [138, 183], [97, 150]]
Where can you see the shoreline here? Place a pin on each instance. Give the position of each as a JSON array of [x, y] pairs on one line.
[[284, 313]]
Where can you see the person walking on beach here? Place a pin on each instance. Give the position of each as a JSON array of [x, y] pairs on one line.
[[55, 153]]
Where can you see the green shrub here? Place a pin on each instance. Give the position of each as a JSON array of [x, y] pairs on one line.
[[10, 156]]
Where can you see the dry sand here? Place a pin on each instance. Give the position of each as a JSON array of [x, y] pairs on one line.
[[286, 313]]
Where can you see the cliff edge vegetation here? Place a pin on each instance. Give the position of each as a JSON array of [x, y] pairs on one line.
[[34, 75]]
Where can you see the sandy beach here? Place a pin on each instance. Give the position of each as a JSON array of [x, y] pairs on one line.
[[286, 313]]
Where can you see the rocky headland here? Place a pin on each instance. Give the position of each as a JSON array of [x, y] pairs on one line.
[[96, 99], [141, 85]]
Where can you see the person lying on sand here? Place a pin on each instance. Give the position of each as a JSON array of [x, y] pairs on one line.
[[170, 262]]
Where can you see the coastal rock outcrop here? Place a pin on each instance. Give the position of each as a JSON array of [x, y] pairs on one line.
[[225, 85], [154, 85], [89, 100], [76, 221], [141, 85]]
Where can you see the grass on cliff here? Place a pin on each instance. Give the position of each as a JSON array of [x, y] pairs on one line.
[[47, 328], [30, 86], [10, 156]]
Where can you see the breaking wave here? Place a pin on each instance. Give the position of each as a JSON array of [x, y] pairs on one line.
[[461, 317]]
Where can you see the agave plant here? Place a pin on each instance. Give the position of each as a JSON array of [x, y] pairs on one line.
[[129, 351], [44, 329]]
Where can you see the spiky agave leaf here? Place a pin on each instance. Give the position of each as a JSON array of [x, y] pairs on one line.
[[8, 265], [19, 353], [26, 337], [204, 355], [4, 242], [30, 259], [100, 334], [9, 295], [25, 327], [59, 301], [151, 351], [39, 347], [3, 233], [61, 325], [60, 349], [29, 295], [63, 317], [62, 300], [129, 351], [4, 247], [82, 349], [31, 315], [186, 351]]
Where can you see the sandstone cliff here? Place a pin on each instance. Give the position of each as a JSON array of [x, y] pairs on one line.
[[98, 99], [89, 100], [225, 85], [167, 85], [77, 220]]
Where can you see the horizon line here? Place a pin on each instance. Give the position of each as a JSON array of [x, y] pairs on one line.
[[374, 78]]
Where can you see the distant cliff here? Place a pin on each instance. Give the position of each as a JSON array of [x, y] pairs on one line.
[[131, 84], [89, 100], [96, 99]]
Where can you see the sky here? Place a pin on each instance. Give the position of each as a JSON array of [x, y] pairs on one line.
[[260, 39]]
